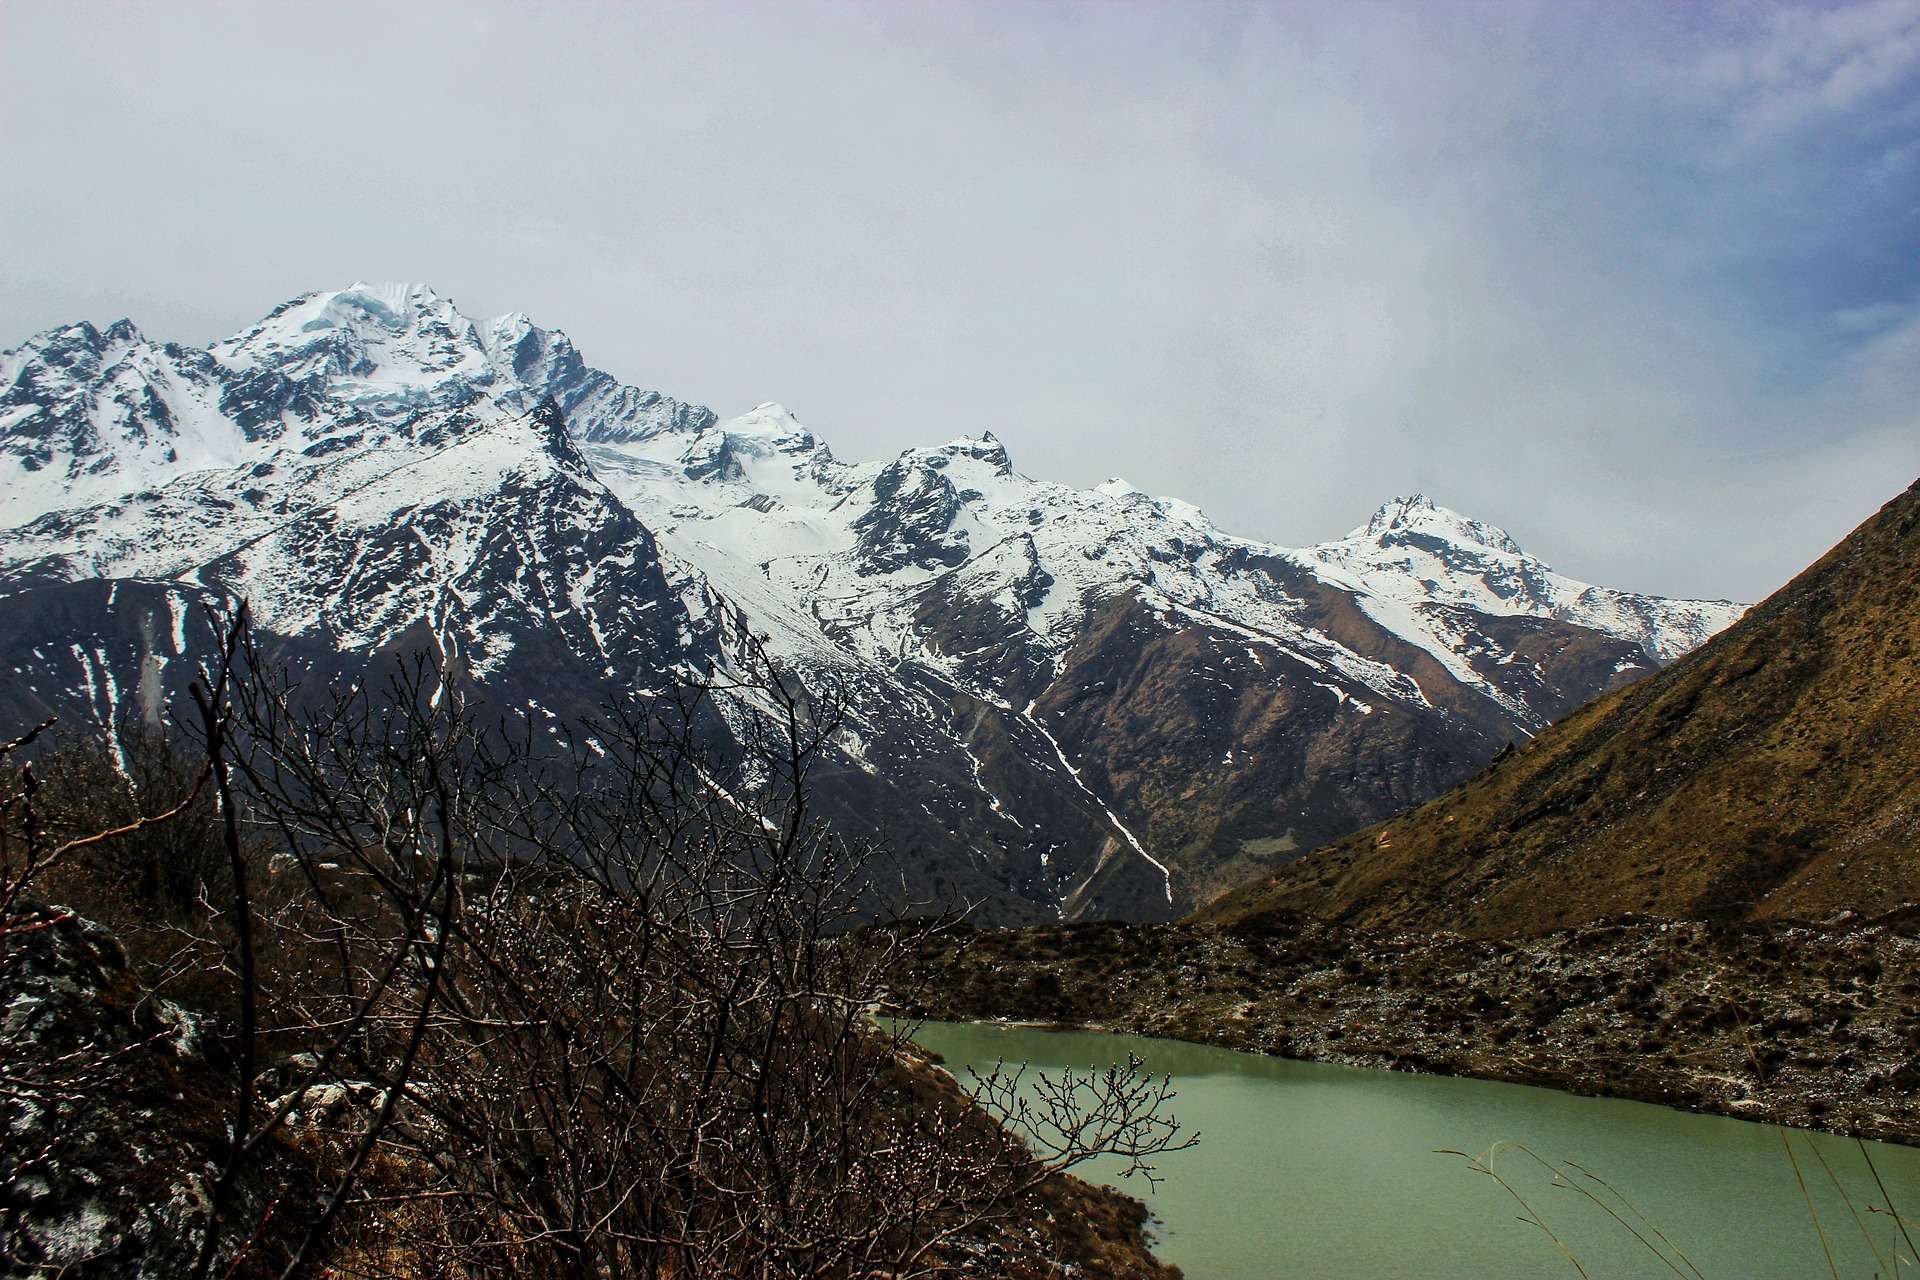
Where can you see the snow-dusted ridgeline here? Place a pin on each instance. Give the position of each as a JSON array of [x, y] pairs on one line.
[[370, 465]]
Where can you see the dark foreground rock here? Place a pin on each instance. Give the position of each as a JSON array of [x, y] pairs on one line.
[[1817, 1027], [113, 1106]]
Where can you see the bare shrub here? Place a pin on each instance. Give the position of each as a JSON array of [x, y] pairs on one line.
[[594, 1009]]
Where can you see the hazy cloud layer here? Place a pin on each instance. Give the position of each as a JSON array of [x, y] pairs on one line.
[[1641, 283]]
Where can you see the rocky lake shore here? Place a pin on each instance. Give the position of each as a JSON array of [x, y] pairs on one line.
[[1812, 1026]]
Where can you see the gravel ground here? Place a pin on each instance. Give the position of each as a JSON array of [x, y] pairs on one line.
[[1817, 1027]]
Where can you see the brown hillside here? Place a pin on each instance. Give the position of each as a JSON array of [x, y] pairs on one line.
[[1774, 773], [1226, 758]]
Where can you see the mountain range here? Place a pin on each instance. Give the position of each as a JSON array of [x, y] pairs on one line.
[[1060, 703]]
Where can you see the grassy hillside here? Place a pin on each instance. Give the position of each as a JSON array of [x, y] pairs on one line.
[[1772, 774]]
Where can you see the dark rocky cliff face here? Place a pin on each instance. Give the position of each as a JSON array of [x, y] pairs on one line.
[[911, 520]]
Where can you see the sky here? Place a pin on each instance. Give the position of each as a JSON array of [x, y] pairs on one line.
[[1638, 282]]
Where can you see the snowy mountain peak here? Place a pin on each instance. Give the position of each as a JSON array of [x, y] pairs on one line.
[[773, 423], [375, 313], [393, 307], [1397, 509], [87, 414], [1415, 556], [397, 342], [1419, 515], [79, 346], [760, 447], [513, 339], [983, 448]]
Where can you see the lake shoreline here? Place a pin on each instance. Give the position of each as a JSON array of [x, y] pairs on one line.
[[1311, 1169], [1793, 1024]]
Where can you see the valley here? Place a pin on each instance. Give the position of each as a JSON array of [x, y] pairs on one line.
[[1698, 891], [1406, 799], [982, 640]]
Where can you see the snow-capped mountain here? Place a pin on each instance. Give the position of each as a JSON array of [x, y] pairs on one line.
[[1061, 701], [1422, 558]]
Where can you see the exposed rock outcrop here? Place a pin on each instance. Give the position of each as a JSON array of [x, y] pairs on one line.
[[114, 1106]]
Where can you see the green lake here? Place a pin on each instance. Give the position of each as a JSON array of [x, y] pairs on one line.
[[1308, 1170]]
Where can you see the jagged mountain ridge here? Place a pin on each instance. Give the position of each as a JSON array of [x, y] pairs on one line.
[[1065, 702]]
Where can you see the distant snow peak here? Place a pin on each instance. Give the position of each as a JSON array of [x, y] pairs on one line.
[[1421, 515], [767, 417], [986, 448], [378, 313], [769, 428], [390, 305], [1184, 513], [1415, 557], [514, 342], [1396, 511]]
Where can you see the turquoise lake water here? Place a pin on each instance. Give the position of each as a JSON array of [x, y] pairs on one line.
[[1307, 1170]]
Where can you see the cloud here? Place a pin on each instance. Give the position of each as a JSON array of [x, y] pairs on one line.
[[1800, 67], [1881, 376], [1635, 281]]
